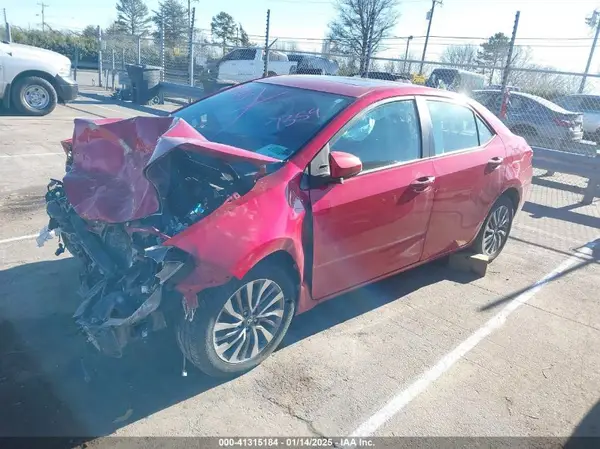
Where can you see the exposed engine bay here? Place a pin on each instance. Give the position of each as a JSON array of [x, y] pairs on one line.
[[127, 273]]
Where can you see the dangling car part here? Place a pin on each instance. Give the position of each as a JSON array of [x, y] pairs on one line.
[[115, 214]]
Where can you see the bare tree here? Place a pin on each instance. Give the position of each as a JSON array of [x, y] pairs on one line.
[[361, 25], [457, 55]]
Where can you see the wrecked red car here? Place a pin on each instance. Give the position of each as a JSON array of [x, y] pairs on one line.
[[237, 212]]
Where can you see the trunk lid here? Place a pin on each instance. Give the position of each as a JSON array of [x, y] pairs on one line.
[[113, 174]]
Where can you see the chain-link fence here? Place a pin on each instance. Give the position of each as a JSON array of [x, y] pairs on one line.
[[544, 106]]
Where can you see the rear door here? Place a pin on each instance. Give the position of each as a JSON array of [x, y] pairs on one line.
[[374, 223], [469, 170]]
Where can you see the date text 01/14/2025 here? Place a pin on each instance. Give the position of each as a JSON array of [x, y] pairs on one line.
[[295, 442]]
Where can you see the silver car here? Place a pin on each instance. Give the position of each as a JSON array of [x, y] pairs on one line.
[[589, 105], [540, 121]]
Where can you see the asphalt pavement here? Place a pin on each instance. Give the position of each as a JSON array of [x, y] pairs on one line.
[[430, 352]]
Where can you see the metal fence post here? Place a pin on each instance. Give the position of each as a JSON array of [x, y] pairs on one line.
[[508, 63], [76, 63], [123, 59], [139, 50], [113, 69], [266, 66], [191, 47], [99, 56], [162, 50], [593, 19]]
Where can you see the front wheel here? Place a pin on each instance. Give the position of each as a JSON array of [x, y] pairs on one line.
[[34, 96], [240, 327], [496, 229]]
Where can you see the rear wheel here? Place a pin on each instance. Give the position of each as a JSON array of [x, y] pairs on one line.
[[235, 331], [496, 229]]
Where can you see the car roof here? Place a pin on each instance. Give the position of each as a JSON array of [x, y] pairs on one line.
[[350, 86]]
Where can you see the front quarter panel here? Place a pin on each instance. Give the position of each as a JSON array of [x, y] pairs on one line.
[[228, 243]]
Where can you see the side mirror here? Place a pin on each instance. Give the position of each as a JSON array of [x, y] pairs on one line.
[[343, 165]]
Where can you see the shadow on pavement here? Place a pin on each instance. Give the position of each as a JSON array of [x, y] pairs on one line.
[[53, 384], [593, 258], [554, 184], [587, 433], [563, 214]]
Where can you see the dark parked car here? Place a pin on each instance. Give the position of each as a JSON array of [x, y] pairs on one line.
[[257, 203]]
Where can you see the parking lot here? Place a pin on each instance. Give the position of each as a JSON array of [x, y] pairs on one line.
[[431, 352]]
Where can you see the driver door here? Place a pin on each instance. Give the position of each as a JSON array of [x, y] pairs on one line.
[[375, 222]]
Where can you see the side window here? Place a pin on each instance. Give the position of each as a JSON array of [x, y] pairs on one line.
[[485, 134], [233, 55], [383, 136], [454, 127], [247, 54]]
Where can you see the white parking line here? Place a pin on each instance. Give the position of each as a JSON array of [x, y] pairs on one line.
[[405, 397], [30, 155], [16, 239]]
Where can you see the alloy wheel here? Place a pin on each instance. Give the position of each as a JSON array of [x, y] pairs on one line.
[[496, 230], [249, 321]]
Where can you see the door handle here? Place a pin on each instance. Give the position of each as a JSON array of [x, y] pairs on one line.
[[422, 184], [495, 162]]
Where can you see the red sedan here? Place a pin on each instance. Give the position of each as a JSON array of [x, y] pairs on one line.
[[263, 200]]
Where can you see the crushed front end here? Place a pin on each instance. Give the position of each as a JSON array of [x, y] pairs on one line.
[[130, 186], [125, 273]]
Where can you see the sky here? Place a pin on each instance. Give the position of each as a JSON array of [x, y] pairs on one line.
[[555, 30]]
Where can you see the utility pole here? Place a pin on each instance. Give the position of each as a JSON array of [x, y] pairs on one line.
[[506, 73], [408, 39], [44, 6], [591, 21], [430, 18], [267, 46], [7, 28]]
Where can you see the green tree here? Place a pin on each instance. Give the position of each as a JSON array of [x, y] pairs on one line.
[[243, 39], [174, 14], [90, 31], [113, 29], [493, 53], [223, 27], [132, 16]]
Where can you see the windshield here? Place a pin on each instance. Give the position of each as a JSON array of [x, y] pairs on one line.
[[273, 120]]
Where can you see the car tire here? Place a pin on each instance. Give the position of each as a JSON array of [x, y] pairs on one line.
[[197, 338], [34, 96], [494, 227]]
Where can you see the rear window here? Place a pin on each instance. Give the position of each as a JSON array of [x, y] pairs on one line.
[[264, 118]]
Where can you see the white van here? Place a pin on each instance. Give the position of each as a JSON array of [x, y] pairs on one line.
[[245, 64], [34, 80]]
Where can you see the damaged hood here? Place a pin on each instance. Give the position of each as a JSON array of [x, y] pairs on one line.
[[110, 178]]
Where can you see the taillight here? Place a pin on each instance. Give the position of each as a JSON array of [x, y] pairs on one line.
[[562, 122]]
